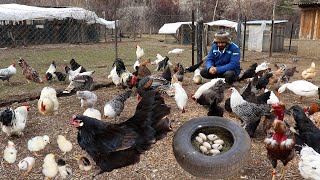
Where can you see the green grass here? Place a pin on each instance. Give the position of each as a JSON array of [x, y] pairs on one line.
[[98, 57]]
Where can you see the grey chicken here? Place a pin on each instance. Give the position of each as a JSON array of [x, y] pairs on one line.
[[215, 92], [179, 72], [288, 73], [88, 99], [80, 83], [7, 73], [154, 83], [115, 106]]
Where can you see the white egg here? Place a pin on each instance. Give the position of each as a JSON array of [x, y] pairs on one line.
[[207, 145], [219, 141], [217, 146], [203, 149], [202, 136], [199, 139], [212, 137], [214, 152]]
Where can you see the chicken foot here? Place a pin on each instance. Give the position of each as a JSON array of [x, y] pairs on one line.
[[274, 173], [37, 155], [26, 173], [283, 172]]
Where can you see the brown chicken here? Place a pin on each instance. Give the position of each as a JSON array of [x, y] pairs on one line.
[[178, 71], [276, 76], [280, 146], [143, 70], [277, 112], [29, 72]]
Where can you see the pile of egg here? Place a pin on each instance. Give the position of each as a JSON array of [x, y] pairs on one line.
[[209, 144]]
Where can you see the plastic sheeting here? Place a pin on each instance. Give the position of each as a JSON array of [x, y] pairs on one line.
[[225, 23], [171, 28]]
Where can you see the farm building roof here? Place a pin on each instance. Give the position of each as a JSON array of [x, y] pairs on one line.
[[17, 12], [306, 5], [225, 23], [266, 21], [171, 28]]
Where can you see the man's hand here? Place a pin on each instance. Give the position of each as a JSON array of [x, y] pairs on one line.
[[212, 70]]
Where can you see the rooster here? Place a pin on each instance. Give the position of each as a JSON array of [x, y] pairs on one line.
[[122, 144], [48, 101], [7, 73], [29, 72], [280, 146], [14, 121], [115, 106]]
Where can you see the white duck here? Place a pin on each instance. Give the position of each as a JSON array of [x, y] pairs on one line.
[[309, 163], [301, 88]]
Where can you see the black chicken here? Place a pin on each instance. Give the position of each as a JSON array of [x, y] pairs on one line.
[[163, 64], [60, 76], [74, 66], [308, 133], [214, 109], [249, 73], [194, 67], [263, 81], [113, 146], [167, 74]]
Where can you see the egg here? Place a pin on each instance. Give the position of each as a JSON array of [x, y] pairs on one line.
[[202, 136], [203, 149], [212, 137], [217, 146], [219, 141], [214, 152], [199, 140], [207, 145]]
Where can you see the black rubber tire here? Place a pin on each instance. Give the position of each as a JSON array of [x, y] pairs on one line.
[[223, 165]]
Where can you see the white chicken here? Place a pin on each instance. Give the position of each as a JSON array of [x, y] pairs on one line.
[[48, 101], [309, 164], [50, 73], [7, 73], [14, 122], [180, 96], [63, 144], [87, 98], [176, 51], [262, 67], [309, 73], [65, 170], [26, 164], [93, 113], [197, 78], [10, 153], [273, 99], [50, 167], [159, 59], [38, 143], [204, 87], [139, 54], [114, 76]]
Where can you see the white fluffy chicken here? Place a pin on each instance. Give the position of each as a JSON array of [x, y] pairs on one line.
[[309, 164], [87, 98], [38, 143], [14, 121], [176, 51], [204, 87], [50, 167], [48, 101], [26, 164], [180, 94], [10, 153], [65, 170], [114, 76], [139, 54], [93, 113], [7, 73], [63, 144]]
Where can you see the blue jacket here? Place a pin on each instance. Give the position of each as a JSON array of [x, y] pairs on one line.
[[228, 59]]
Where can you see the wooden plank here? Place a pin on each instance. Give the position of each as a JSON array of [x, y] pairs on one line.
[[301, 25], [312, 23], [317, 26]]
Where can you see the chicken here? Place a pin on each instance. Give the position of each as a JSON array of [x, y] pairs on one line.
[[93, 113], [115, 106], [249, 113], [249, 73], [139, 52], [149, 83], [29, 72], [10, 153], [179, 72], [309, 163], [163, 64], [262, 82], [159, 58], [180, 95], [214, 109], [261, 68], [313, 108], [48, 101], [74, 65], [125, 76], [87, 99], [309, 73], [167, 74], [176, 51], [83, 162], [197, 78], [204, 87], [121, 144], [64, 169], [276, 75], [196, 66], [307, 133], [60, 76], [72, 73], [273, 99], [277, 112], [114, 76], [63, 144], [50, 73], [80, 83], [280, 146], [7, 73], [214, 92], [38, 143], [288, 73], [143, 70], [26, 164], [14, 121], [49, 167]]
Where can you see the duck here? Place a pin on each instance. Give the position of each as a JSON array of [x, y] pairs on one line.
[[301, 88]]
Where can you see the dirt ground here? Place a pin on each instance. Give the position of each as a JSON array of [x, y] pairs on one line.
[[159, 162]]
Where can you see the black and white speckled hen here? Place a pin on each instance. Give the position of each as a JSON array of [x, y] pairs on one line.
[[115, 106], [114, 146], [249, 113]]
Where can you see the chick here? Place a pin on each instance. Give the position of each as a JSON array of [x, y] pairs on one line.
[[64, 145], [49, 167], [38, 143], [65, 170], [26, 164], [83, 162], [10, 153]]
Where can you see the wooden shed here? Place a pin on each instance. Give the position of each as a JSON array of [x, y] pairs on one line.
[[309, 35]]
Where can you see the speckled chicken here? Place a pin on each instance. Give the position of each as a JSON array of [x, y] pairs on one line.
[[154, 83], [29, 72], [115, 106], [214, 92]]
